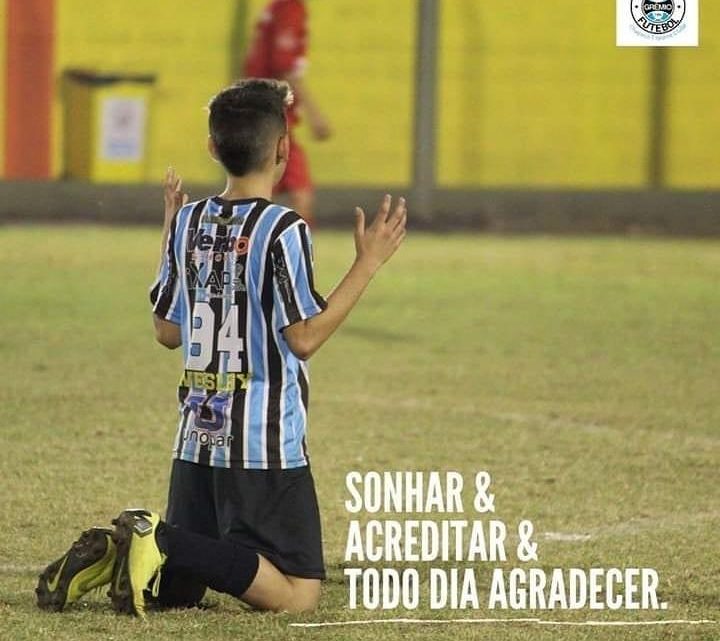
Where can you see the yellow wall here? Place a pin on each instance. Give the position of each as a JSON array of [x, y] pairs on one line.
[[531, 94], [3, 16], [694, 127], [537, 94]]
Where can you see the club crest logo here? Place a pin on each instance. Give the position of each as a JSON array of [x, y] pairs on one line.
[[658, 18]]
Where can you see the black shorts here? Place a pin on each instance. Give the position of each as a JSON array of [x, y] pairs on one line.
[[274, 512]]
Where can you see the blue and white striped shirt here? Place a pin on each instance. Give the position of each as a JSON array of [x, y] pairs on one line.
[[234, 275]]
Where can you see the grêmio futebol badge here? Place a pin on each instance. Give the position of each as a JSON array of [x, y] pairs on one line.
[[646, 23]]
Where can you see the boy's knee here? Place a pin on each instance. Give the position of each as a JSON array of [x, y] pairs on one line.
[[303, 603], [271, 590], [304, 597]]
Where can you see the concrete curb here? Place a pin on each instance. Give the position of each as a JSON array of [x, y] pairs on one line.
[[680, 213]]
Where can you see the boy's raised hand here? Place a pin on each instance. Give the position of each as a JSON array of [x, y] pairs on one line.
[[375, 244], [174, 200], [173, 195]]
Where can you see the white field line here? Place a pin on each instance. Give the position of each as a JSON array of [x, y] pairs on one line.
[[674, 521], [691, 440], [565, 537], [12, 568], [329, 624], [475, 410]]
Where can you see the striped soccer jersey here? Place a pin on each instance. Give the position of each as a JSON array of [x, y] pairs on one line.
[[234, 275]]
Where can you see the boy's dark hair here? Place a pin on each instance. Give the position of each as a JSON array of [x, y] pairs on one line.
[[246, 120]]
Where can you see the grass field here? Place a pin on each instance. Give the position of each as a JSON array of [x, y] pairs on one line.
[[584, 374]]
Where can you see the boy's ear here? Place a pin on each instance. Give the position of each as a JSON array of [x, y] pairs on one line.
[[212, 149], [283, 150]]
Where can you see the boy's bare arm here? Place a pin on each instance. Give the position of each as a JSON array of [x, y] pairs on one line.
[[167, 333], [373, 247]]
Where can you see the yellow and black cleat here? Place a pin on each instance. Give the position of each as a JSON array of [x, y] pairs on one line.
[[87, 565], [138, 561]]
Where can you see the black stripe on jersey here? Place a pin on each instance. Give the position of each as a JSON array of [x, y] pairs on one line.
[[193, 225], [237, 413], [154, 293], [304, 389], [288, 219], [183, 428], [217, 291], [305, 398], [275, 373], [166, 296], [280, 268], [309, 265]]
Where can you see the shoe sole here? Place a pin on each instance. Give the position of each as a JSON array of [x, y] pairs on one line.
[[121, 593], [56, 600]]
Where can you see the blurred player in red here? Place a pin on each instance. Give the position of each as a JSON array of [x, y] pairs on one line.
[[279, 50]]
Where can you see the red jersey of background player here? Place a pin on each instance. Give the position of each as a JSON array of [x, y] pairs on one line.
[[278, 51], [279, 46]]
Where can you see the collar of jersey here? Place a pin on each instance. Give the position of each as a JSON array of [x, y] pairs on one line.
[[238, 201]]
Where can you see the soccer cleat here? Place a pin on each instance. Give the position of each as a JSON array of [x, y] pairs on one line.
[[87, 565], [139, 559]]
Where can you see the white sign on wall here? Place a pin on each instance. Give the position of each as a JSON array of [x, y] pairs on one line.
[[123, 129]]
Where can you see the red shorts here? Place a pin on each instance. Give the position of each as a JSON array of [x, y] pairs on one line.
[[297, 172]]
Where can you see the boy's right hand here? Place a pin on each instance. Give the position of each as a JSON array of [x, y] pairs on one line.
[[173, 194], [375, 244]]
